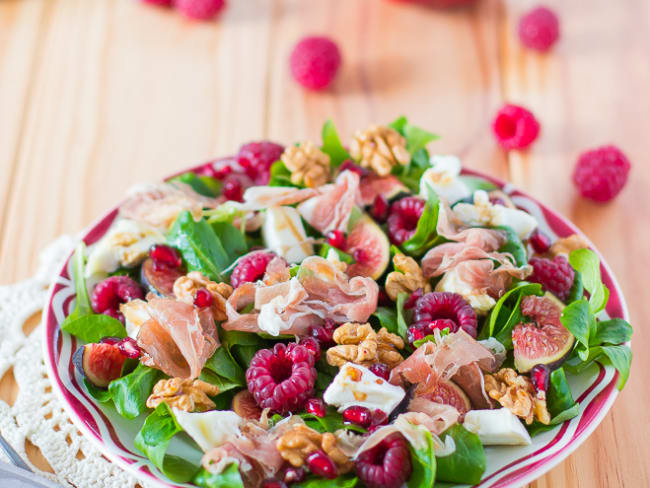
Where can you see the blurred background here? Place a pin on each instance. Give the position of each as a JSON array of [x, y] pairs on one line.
[[97, 95]]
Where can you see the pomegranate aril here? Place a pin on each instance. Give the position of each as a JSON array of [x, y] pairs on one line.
[[540, 242], [115, 313], [294, 475], [233, 190], [356, 414], [379, 209], [273, 483], [540, 375], [379, 417], [165, 256], [203, 298], [336, 238], [381, 370], [129, 348], [415, 333], [316, 406], [359, 255], [349, 165], [442, 324], [324, 333], [321, 464], [222, 172], [383, 298], [110, 340]]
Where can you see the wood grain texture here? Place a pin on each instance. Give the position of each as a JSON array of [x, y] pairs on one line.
[[97, 95]]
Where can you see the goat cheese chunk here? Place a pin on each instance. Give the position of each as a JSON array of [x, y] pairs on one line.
[[285, 235], [497, 427], [209, 429], [444, 179]]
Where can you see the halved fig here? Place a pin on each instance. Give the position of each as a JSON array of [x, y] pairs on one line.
[[99, 363], [245, 405], [159, 280], [471, 380], [449, 393], [544, 340], [373, 185], [369, 247]]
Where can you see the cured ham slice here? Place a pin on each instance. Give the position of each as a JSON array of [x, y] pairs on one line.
[[177, 338], [331, 209], [483, 276], [440, 416], [261, 197], [159, 204]]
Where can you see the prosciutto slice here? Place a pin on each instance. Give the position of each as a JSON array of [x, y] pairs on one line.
[[483, 276], [331, 209], [440, 416], [373, 185], [261, 197], [177, 339]]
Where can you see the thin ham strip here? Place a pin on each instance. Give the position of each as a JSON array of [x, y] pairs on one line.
[[440, 416], [261, 197], [483, 276]]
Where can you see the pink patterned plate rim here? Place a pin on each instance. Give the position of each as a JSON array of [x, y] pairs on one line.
[[594, 389]]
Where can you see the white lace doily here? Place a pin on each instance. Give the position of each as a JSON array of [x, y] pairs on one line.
[[37, 414]]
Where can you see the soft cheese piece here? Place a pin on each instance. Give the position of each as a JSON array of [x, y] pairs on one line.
[[479, 300], [444, 179], [126, 244], [285, 235], [356, 385], [497, 427], [209, 429], [483, 212]]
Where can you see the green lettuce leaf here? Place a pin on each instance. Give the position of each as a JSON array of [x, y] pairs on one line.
[[229, 478], [613, 331], [387, 318], [559, 401], [223, 364], [426, 235], [402, 328], [280, 175], [467, 463], [232, 239], [130, 392], [203, 185], [423, 462], [92, 328], [82, 300], [332, 145], [514, 246], [587, 263], [343, 256], [344, 481]]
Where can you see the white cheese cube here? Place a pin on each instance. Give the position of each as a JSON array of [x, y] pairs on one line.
[[285, 235], [497, 427], [444, 179]]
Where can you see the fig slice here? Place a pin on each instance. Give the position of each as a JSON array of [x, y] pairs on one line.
[[543, 340], [99, 363], [369, 247], [159, 280], [245, 405], [449, 393]]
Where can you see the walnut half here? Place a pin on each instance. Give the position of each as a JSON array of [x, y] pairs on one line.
[[301, 441], [360, 344], [379, 148], [184, 394], [517, 394], [307, 163], [407, 278]]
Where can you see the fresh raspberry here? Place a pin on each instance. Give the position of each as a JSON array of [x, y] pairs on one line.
[[312, 346], [445, 305], [113, 291], [379, 209], [381, 370], [115, 313], [257, 157], [199, 9], [386, 465], [555, 276], [314, 62], [281, 380], [159, 3], [515, 127], [403, 219], [539, 28], [540, 242], [358, 415], [601, 174], [251, 267], [336, 238], [413, 299]]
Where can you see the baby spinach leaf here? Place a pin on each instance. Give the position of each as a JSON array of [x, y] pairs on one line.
[[213, 378], [387, 318], [344, 481], [82, 300], [200, 247], [92, 328], [577, 290], [332, 145], [153, 441], [232, 239], [343, 256], [513, 246], [280, 175], [579, 320], [242, 345], [417, 138], [223, 364], [423, 462], [228, 478], [203, 185], [402, 328], [426, 235], [226, 212], [332, 422], [130, 392], [99, 394], [467, 463], [587, 263], [506, 314], [613, 331]]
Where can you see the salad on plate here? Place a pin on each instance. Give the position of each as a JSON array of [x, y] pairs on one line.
[[332, 316]]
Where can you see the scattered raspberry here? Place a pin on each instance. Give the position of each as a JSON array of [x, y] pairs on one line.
[[312, 345], [403, 219], [164, 256], [445, 305], [601, 174], [281, 380], [379, 209], [251, 268], [413, 299], [159, 3], [381, 370], [555, 276], [539, 28], [515, 127], [115, 313], [387, 465], [358, 415], [203, 298], [199, 9], [113, 291], [540, 242], [336, 238], [314, 62], [257, 157]]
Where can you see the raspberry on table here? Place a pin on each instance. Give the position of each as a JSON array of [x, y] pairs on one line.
[[403, 219], [515, 127], [257, 157], [601, 174], [555, 276], [386, 465], [539, 28], [200, 9], [251, 267], [314, 62], [159, 3]]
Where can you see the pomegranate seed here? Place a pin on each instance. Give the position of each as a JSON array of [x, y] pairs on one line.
[[540, 375], [541, 242], [129, 348], [316, 406], [379, 209], [379, 417], [381, 370], [115, 313], [336, 238], [358, 415], [373, 428], [203, 298], [294, 475], [415, 296], [442, 324], [222, 172], [273, 483], [359, 255], [312, 346], [324, 333], [110, 340], [321, 464], [415, 333], [165, 256], [233, 190], [348, 165]]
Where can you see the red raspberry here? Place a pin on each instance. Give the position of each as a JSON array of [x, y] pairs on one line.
[[413, 299], [113, 291], [387, 465], [251, 267], [314, 62], [336, 238], [159, 3], [312, 345], [403, 218], [257, 157], [515, 127], [199, 9], [280, 379], [601, 174], [115, 313], [445, 305], [555, 276], [539, 28], [540, 241]]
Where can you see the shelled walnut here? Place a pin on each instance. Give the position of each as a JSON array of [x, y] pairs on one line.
[[360, 344], [379, 148], [301, 441], [517, 394], [307, 163], [185, 394], [565, 245], [185, 289], [408, 277]]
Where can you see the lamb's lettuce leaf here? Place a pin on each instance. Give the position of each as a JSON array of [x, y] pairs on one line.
[[587, 263], [232, 239], [416, 137], [344, 481], [423, 462], [92, 328], [387, 318], [559, 401], [203, 185], [426, 235], [280, 175], [342, 255], [513, 246], [475, 183], [402, 328], [467, 463], [223, 364], [228, 478], [82, 300], [130, 392], [332, 145]]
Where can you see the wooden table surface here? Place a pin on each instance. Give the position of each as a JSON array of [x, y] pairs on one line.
[[96, 95]]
